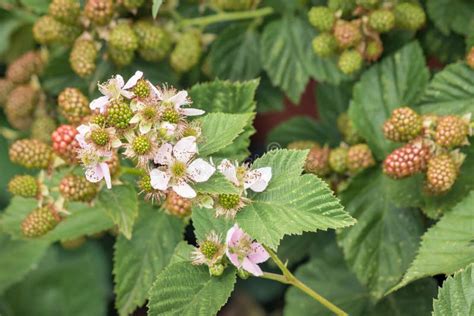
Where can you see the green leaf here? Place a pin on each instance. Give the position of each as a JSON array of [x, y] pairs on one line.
[[18, 258], [137, 261], [456, 297], [155, 7], [450, 92], [182, 253], [235, 53], [121, 203], [187, 290], [291, 204], [398, 80], [269, 97], [299, 128], [38, 6], [83, 220], [381, 246], [205, 221], [221, 129], [215, 185], [447, 246], [64, 283], [452, 15]]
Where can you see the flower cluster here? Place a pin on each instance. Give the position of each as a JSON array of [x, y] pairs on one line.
[[239, 249]]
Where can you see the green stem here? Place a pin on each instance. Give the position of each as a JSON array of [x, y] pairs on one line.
[[132, 171], [288, 278], [227, 16]]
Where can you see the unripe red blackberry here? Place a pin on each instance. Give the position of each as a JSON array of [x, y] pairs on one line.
[[100, 12], [65, 11], [31, 153], [42, 128], [120, 57], [133, 4], [177, 205], [403, 125], [65, 144], [6, 86], [302, 144], [408, 160], [74, 105], [382, 20], [452, 131], [123, 37], [25, 186], [359, 157], [235, 5], [322, 18], [40, 221], [114, 164], [347, 34], [187, 52], [154, 41], [373, 50], [119, 114], [345, 6], [441, 174], [324, 45], [350, 61], [338, 159], [20, 106], [83, 57], [347, 129], [21, 70], [47, 30], [470, 58], [409, 16], [77, 188], [317, 161]]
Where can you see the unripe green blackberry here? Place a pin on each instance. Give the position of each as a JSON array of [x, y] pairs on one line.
[[324, 45], [171, 116], [216, 270], [345, 6], [373, 50], [74, 105], [6, 86], [209, 249], [359, 157], [98, 119], [452, 131], [25, 186], [187, 52], [229, 201], [302, 144], [100, 137], [469, 58], [347, 129], [350, 61], [47, 30], [322, 18], [42, 128], [347, 34], [441, 174], [154, 42], [21, 70], [409, 16], [317, 161], [141, 145], [20, 106], [31, 153], [133, 4], [65, 11], [408, 160], [100, 12], [65, 144], [83, 57], [338, 159], [142, 89], [123, 37], [368, 4], [77, 188], [40, 221], [235, 5], [119, 114], [119, 57], [403, 125], [177, 205], [382, 20]]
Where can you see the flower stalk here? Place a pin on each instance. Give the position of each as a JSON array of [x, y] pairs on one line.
[[227, 16], [288, 278]]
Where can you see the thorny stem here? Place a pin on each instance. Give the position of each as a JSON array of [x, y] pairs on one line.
[[288, 278], [227, 16]]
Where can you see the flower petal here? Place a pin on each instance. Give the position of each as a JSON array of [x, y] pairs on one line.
[[133, 80], [251, 267], [145, 127], [229, 171], [104, 167], [163, 156], [185, 149], [127, 94], [159, 180], [118, 81], [200, 170], [234, 234], [179, 99], [257, 180], [234, 258], [135, 119], [156, 91], [258, 254], [184, 190], [99, 104], [192, 112], [94, 174]]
